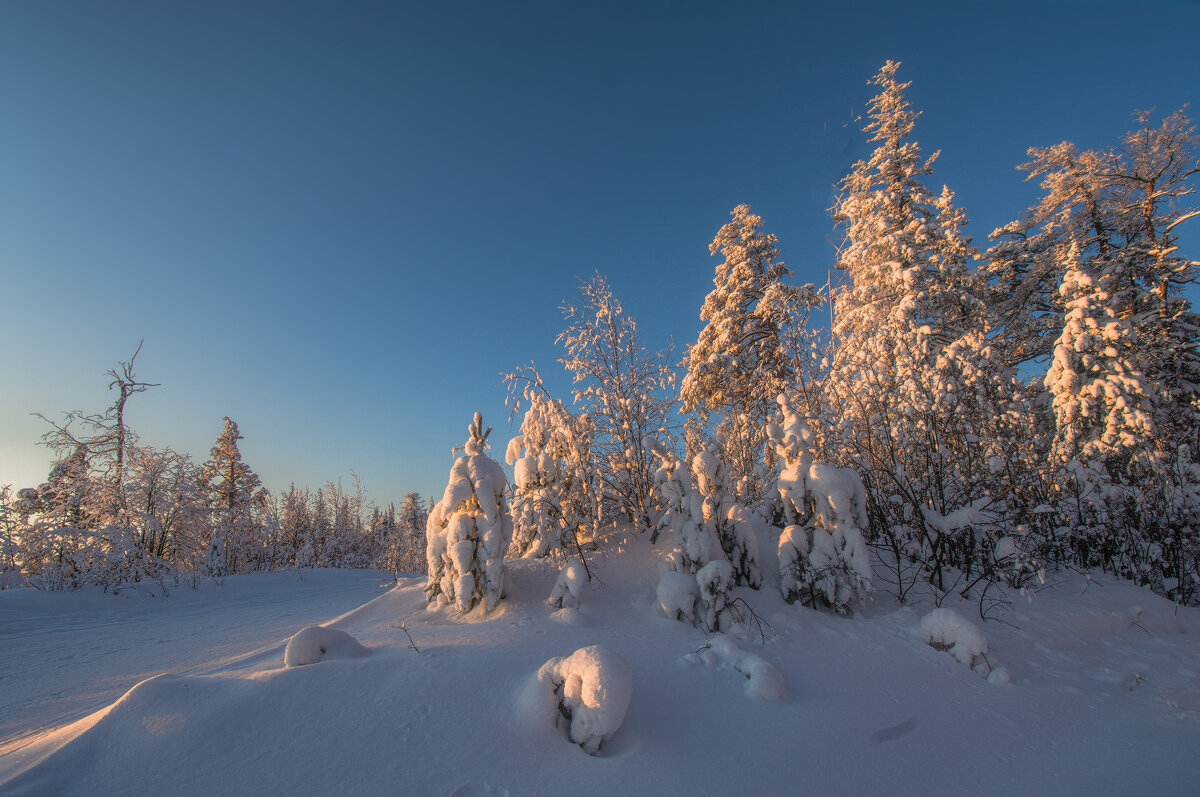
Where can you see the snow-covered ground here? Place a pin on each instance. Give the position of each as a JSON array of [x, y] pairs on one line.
[[1103, 694]]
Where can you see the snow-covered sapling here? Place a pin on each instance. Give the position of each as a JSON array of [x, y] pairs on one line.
[[727, 519], [716, 583], [824, 553], [469, 530], [568, 589], [677, 595], [592, 688]]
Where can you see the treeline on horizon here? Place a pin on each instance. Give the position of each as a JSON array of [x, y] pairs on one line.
[[1031, 406]]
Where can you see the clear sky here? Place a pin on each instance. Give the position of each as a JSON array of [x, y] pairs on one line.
[[338, 222]]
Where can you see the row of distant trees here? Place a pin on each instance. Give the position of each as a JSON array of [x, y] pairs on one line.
[[1030, 406], [118, 513]]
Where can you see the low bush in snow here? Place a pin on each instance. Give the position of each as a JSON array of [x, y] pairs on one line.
[[592, 688]]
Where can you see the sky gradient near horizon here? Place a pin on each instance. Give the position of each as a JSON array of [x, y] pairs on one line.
[[337, 223]]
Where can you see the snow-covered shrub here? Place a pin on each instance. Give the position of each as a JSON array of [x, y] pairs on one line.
[[946, 629], [716, 582], [695, 542], [823, 553], [677, 595], [764, 681], [469, 530], [728, 520], [553, 497], [592, 688], [316, 643], [568, 588]]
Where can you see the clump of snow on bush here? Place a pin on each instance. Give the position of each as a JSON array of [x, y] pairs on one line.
[[592, 688], [763, 679], [569, 587], [315, 643], [946, 629], [677, 595]]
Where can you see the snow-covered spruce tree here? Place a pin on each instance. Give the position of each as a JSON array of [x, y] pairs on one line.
[[404, 546], [234, 491], [626, 391], [740, 362], [554, 499], [920, 403], [726, 517], [822, 551], [469, 530]]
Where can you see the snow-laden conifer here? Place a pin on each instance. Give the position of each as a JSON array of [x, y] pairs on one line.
[[469, 530], [740, 360]]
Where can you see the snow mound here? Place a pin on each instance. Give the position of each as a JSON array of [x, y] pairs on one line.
[[592, 687], [946, 629], [763, 679], [315, 643]]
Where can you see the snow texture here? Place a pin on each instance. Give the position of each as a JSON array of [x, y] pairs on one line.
[[317, 643], [593, 687]]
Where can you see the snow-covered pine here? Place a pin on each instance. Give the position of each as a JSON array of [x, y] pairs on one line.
[[568, 587], [740, 360], [823, 550], [233, 490], [469, 530], [591, 689], [726, 517], [553, 499]]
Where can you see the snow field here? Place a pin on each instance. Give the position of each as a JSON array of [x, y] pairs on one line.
[[1105, 698]]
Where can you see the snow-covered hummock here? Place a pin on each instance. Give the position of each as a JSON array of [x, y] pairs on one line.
[[825, 551], [727, 519], [317, 643], [548, 499], [946, 629], [469, 530], [568, 588], [592, 688]]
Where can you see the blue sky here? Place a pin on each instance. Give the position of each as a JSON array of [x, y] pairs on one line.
[[337, 223]]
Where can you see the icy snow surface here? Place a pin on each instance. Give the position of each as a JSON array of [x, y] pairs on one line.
[[1104, 693]]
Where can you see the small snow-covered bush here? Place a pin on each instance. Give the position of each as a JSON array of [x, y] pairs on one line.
[[763, 679], [728, 520], [716, 581], [592, 688], [677, 595], [823, 553], [469, 530], [568, 589], [946, 629], [315, 643]]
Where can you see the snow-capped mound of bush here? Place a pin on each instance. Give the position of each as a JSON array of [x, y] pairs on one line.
[[946, 629], [568, 589], [763, 679], [716, 581], [316, 643], [677, 593], [592, 687]]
